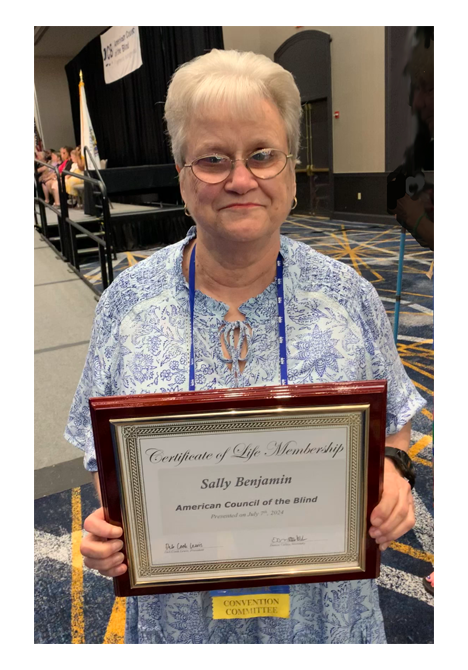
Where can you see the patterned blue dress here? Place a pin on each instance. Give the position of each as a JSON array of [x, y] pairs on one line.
[[337, 330]]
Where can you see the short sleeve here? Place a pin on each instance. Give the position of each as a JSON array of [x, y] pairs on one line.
[[96, 380], [403, 400]]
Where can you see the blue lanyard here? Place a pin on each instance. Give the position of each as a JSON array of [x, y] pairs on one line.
[[281, 320]]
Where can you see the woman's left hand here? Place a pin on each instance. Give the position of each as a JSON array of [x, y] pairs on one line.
[[394, 515]]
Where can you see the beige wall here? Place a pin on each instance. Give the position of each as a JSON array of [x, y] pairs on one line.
[[53, 100], [358, 86]]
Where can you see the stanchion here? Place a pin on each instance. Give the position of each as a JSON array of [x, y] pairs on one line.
[[399, 281]]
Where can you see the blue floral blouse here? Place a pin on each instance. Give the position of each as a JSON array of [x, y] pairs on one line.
[[337, 330]]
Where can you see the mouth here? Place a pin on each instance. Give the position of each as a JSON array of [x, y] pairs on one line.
[[246, 205]]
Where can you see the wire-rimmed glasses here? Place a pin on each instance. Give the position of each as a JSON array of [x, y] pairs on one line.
[[263, 164]]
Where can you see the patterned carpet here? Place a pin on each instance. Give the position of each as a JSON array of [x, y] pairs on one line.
[[74, 605]]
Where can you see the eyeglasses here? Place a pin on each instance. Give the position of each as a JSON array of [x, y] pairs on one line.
[[263, 164]]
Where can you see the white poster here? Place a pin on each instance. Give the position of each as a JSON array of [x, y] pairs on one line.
[[121, 52]]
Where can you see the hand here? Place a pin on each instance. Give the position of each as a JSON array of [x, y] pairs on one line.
[[409, 209], [394, 515], [101, 548]]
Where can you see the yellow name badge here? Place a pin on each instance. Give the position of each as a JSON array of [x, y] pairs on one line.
[[232, 605]]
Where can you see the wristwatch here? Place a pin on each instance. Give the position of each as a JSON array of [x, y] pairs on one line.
[[403, 464]]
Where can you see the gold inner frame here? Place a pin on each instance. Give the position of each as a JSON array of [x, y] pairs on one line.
[[126, 434]]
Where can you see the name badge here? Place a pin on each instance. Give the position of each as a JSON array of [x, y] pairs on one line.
[[267, 601]]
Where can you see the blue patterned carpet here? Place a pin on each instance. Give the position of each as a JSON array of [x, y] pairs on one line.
[[74, 605]]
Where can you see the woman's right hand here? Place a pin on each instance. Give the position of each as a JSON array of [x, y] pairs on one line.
[[101, 548]]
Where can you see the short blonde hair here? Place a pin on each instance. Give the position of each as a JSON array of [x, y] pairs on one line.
[[233, 78]]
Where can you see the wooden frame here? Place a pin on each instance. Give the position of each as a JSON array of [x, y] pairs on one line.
[[368, 397]]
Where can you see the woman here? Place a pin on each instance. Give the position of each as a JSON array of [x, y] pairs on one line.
[[48, 177], [233, 119], [65, 154], [77, 167]]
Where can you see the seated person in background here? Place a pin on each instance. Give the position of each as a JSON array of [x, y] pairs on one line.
[[65, 155], [48, 177], [77, 167], [79, 159], [55, 158]]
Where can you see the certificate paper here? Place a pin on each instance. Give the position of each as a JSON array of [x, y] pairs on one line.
[[220, 492], [242, 488], [289, 499]]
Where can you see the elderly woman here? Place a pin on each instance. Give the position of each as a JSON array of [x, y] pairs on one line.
[[233, 119]]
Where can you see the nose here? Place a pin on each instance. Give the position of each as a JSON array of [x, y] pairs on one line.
[[240, 180]]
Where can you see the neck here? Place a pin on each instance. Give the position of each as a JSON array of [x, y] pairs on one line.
[[234, 272]]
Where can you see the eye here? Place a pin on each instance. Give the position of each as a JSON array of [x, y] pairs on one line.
[[262, 155], [212, 160]]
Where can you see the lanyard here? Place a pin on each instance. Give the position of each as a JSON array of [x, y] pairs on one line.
[[281, 320]]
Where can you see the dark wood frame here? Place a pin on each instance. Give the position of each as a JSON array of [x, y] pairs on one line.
[[103, 410]]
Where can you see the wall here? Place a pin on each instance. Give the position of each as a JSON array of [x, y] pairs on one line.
[[358, 87], [53, 99]]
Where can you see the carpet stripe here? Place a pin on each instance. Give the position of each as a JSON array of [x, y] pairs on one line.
[[423, 388], [424, 528], [116, 626], [404, 583], [419, 446], [415, 553], [77, 616]]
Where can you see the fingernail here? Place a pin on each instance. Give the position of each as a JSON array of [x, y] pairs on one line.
[[117, 546], [377, 522], [376, 533], [117, 532]]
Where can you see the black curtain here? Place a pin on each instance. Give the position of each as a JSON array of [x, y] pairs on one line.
[[127, 115]]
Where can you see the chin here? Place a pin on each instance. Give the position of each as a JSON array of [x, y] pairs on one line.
[[247, 229]]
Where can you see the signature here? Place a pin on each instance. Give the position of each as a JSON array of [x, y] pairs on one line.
[[287, 540], [184, 546]]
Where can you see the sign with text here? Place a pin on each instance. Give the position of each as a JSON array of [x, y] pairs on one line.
[[257, 489], [121, 52]]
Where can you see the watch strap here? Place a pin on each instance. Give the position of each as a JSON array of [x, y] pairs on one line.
[[403, 463]]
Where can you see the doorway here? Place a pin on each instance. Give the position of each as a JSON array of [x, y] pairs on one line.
[[307, 56]]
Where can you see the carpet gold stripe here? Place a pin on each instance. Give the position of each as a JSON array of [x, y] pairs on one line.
[[419, 445], [423, 388], [427, 413], [415, 553], [116, 627], [415, 367], [423, 461], [77, 616]]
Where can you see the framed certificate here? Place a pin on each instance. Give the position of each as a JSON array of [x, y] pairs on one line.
[[239, 488]]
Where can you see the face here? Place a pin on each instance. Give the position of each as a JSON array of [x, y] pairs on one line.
[[242, 208], [423, 102], [55, 157], [64, 154]]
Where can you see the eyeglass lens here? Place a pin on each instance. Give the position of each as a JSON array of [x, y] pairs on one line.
[[264, 164]]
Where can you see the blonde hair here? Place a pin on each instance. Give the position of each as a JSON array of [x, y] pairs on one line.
[[236, 79]]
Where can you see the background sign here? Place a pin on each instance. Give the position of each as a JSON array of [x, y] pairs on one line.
[[121, 52]]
